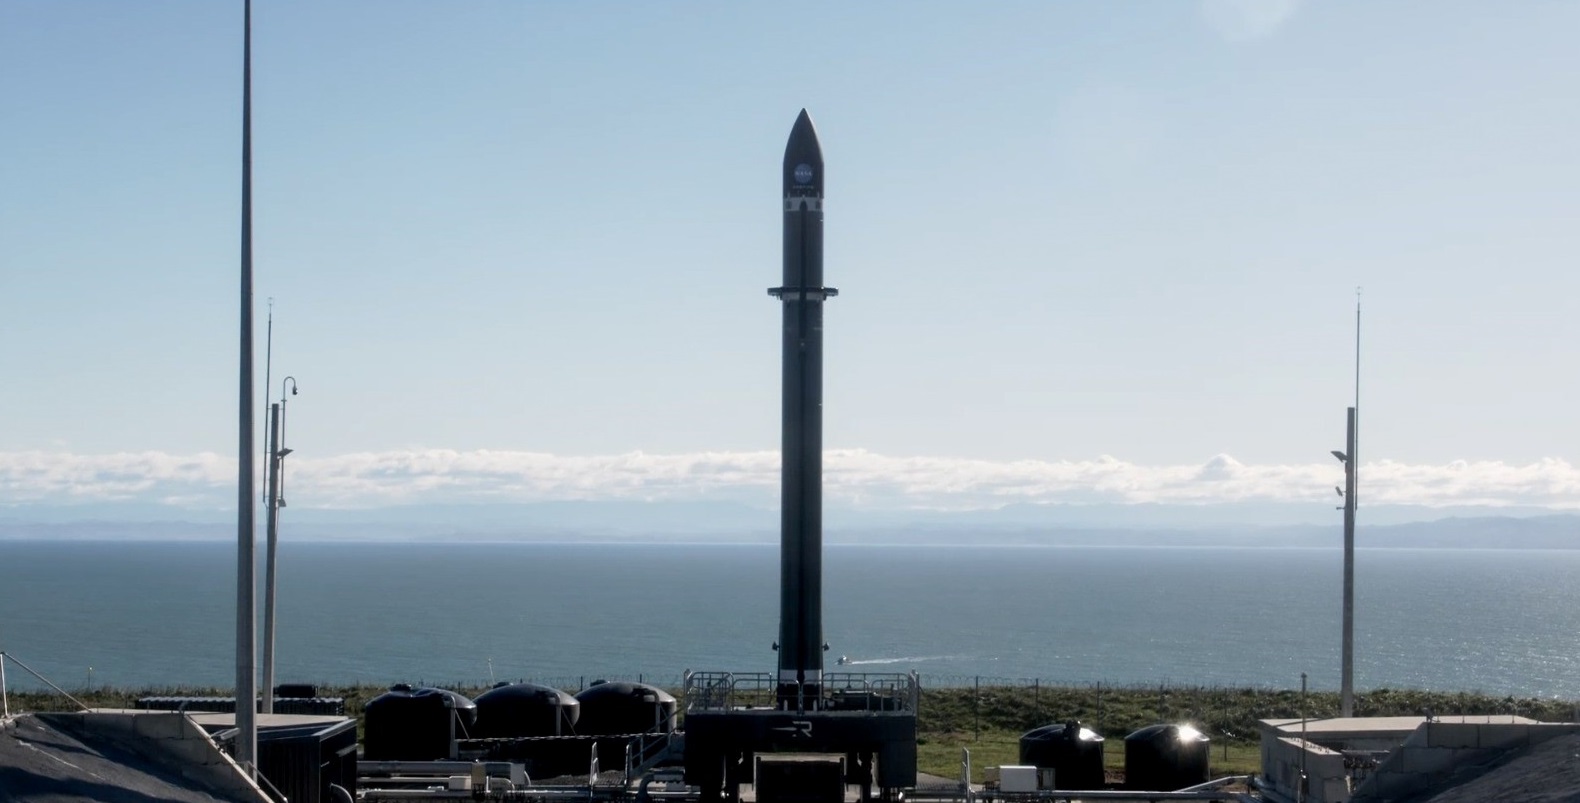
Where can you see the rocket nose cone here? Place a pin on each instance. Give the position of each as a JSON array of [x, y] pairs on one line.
[[803, 165]]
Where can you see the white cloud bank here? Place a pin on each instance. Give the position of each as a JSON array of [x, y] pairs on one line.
[[852, 476]]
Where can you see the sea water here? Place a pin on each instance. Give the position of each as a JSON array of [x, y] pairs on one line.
[[162, 614]]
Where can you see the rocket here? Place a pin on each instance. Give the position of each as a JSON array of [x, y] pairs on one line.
[[874, 728], [800, 642]]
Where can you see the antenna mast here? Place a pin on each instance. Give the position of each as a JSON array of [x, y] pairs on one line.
[[1351, 461]]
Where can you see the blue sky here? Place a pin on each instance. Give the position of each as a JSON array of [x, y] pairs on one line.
[[520, 240]]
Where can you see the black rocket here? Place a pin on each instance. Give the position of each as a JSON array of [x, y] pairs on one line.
[[870, 719], [801, 480]]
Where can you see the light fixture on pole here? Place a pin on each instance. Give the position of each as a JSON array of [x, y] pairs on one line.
[[1347, 662]]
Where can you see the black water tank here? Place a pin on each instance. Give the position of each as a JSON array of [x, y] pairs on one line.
[[1074, 753], [406, 725], [1162, 758], [525, 709], [620, 708]]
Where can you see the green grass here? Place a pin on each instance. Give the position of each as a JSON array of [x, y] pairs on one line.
[[989, 721]]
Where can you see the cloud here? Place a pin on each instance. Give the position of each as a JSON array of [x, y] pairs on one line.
[[856, 477], [55, 477], [1244, 20]]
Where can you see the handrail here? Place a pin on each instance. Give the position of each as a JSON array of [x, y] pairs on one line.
[[80, 704], [265, 784], [727, 691]]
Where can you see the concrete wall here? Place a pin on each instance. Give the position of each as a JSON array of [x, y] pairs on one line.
[[1327, 780], [174, 739], [1438, 753]]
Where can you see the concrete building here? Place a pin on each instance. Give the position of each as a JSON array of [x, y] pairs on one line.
[[139, 756], [1417, 760]]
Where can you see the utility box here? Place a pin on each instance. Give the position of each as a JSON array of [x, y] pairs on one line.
[[1017, 779], [800, 780]]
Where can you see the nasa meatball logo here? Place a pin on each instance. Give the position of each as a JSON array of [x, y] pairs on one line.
[[803, 174]]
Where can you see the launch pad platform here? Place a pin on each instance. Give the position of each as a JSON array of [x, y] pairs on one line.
[[733, 720]]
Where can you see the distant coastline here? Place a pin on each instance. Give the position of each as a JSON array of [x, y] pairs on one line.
[[1558, 531]]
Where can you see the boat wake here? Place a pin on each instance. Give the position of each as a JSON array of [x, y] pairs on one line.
[[913, 659]]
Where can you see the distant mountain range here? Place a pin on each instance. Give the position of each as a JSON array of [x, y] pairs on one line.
[[1268, 525]]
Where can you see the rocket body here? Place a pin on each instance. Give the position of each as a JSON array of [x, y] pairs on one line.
[[801, 480]]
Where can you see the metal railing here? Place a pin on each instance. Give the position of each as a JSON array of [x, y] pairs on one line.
[[4, 656], [265, 784], [839, 691]]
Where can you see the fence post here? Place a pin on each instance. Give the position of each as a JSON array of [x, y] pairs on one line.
[[1036, 697], [965, 773], [976, 708]]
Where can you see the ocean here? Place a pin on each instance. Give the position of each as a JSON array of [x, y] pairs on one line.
[[162, 614]]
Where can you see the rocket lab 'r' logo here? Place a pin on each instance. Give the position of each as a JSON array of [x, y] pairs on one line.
[[803, 174], [798, 729]]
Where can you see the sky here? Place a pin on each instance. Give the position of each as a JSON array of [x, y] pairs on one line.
[[518, 251]]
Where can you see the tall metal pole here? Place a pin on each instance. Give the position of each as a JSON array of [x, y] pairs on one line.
[[274, 500], [1357, 364], [1352, 470], [1354, 447], [246, 575], [1347, 674], [272, 521], [268, 361], [285, 400], [1304, 746]]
